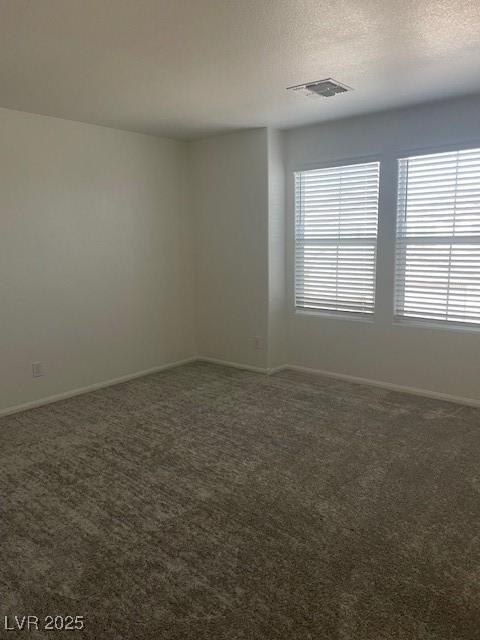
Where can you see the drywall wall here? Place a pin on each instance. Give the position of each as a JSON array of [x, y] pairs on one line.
[[435, 359], [230, 197], [95, 255], [119, 252], [277, 343]]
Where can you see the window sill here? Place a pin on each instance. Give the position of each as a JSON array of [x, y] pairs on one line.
[[336, 315], [436, 326]]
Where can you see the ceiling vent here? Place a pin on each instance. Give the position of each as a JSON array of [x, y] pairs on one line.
[[324, 88]]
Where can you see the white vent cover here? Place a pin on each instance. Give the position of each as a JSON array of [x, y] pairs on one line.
[[324, 88]]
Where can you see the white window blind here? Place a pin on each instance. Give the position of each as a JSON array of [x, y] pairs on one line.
[[336, 238], [438, 238]]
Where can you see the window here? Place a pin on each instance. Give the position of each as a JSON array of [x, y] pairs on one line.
[[336, 238], [438, 238]]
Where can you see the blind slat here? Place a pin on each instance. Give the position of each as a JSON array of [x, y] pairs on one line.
[[438, 237], [336, 238]]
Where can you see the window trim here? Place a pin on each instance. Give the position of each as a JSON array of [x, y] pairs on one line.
[[367, 318], [411, 152], [338, 162], [437, 325], [426, 323]]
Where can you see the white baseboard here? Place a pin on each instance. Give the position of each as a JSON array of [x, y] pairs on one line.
[[426, 393], [234, 365], [274, 370], [92, 387], [246, 367], [237, 365]]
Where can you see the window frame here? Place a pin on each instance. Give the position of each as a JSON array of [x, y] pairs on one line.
[[356, 317], [414, 322]]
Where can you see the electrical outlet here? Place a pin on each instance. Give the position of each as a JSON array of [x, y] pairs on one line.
[[257, 343], [37, 369]]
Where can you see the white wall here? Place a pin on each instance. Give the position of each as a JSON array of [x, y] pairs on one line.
[[120, 252], [230, 199], [95, 255], [440, 360], [277, 338]]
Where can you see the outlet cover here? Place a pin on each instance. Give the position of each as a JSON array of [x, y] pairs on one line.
[[257, 343], [37, 369]]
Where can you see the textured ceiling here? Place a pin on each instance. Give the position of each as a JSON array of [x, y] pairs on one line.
[[186, 68]]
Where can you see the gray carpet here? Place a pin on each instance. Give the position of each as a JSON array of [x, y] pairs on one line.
[[206, 503]]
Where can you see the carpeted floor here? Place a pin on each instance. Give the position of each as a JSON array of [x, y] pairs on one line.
[[206, 503]]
